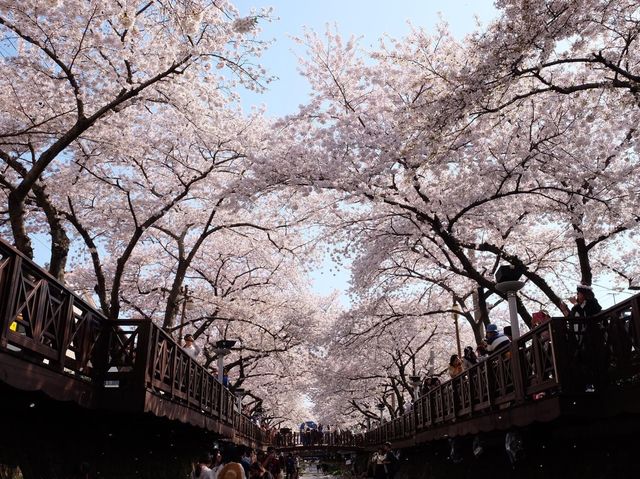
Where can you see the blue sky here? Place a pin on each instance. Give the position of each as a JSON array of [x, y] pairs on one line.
[[370, 19]]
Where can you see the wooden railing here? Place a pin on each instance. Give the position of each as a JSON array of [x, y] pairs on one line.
[[563, 356], [43, 320], [45, 324], [140, 355]]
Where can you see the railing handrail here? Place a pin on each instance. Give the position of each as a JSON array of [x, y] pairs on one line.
[[50, 279]]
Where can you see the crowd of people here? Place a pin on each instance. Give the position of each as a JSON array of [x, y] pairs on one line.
[[246, 463], [383, 463], [584, 305]]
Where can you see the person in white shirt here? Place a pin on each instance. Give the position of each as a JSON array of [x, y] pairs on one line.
[[201, 469], [190, 347]]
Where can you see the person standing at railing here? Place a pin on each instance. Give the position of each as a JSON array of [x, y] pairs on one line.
[[469, 358], [590, 353], [495, 340], [455, 366], [190, 347], [584, 303]]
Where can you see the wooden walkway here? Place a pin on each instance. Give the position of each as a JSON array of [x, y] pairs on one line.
[[54, 342]]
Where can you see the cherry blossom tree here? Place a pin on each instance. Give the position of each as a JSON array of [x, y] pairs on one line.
[[402, 132], [114, 59]]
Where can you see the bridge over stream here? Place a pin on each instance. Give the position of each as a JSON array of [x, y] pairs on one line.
[[73, 380]]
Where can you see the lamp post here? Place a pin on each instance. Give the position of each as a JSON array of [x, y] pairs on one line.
[[223, 347], [457, 326], [415, 382], [380, 407], [187, 304], [507, 281]]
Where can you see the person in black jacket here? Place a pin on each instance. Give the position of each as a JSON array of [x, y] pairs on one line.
[[591, 352], [585, 303]]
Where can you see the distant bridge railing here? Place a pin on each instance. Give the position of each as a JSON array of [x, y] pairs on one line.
[[561, 357], [317, 439], [44, 324]]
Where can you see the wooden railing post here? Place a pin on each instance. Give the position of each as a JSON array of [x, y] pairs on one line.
[[66, 330], [561, 358], [100, 354], [143, 352], [635, 317], [10, 283]]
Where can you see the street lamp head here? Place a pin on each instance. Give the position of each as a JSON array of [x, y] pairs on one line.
[[380, 406], [415, 380], [508, 272], [225, 343]]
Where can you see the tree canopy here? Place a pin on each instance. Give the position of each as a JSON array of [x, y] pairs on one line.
[[424, 164]]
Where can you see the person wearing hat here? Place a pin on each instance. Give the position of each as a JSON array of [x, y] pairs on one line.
[[231, 470], [585, 303], [495, 339], [190, 347]]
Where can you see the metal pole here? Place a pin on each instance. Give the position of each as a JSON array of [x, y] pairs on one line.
[[185, 297], [513, 314], [220, 366], [455, 320]]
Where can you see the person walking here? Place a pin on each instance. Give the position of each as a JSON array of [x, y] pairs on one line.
[[231, 470], [377, 461]]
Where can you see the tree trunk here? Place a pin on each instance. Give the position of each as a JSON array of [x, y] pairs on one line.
[[586, 276], [59, 240], [16, 217]]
